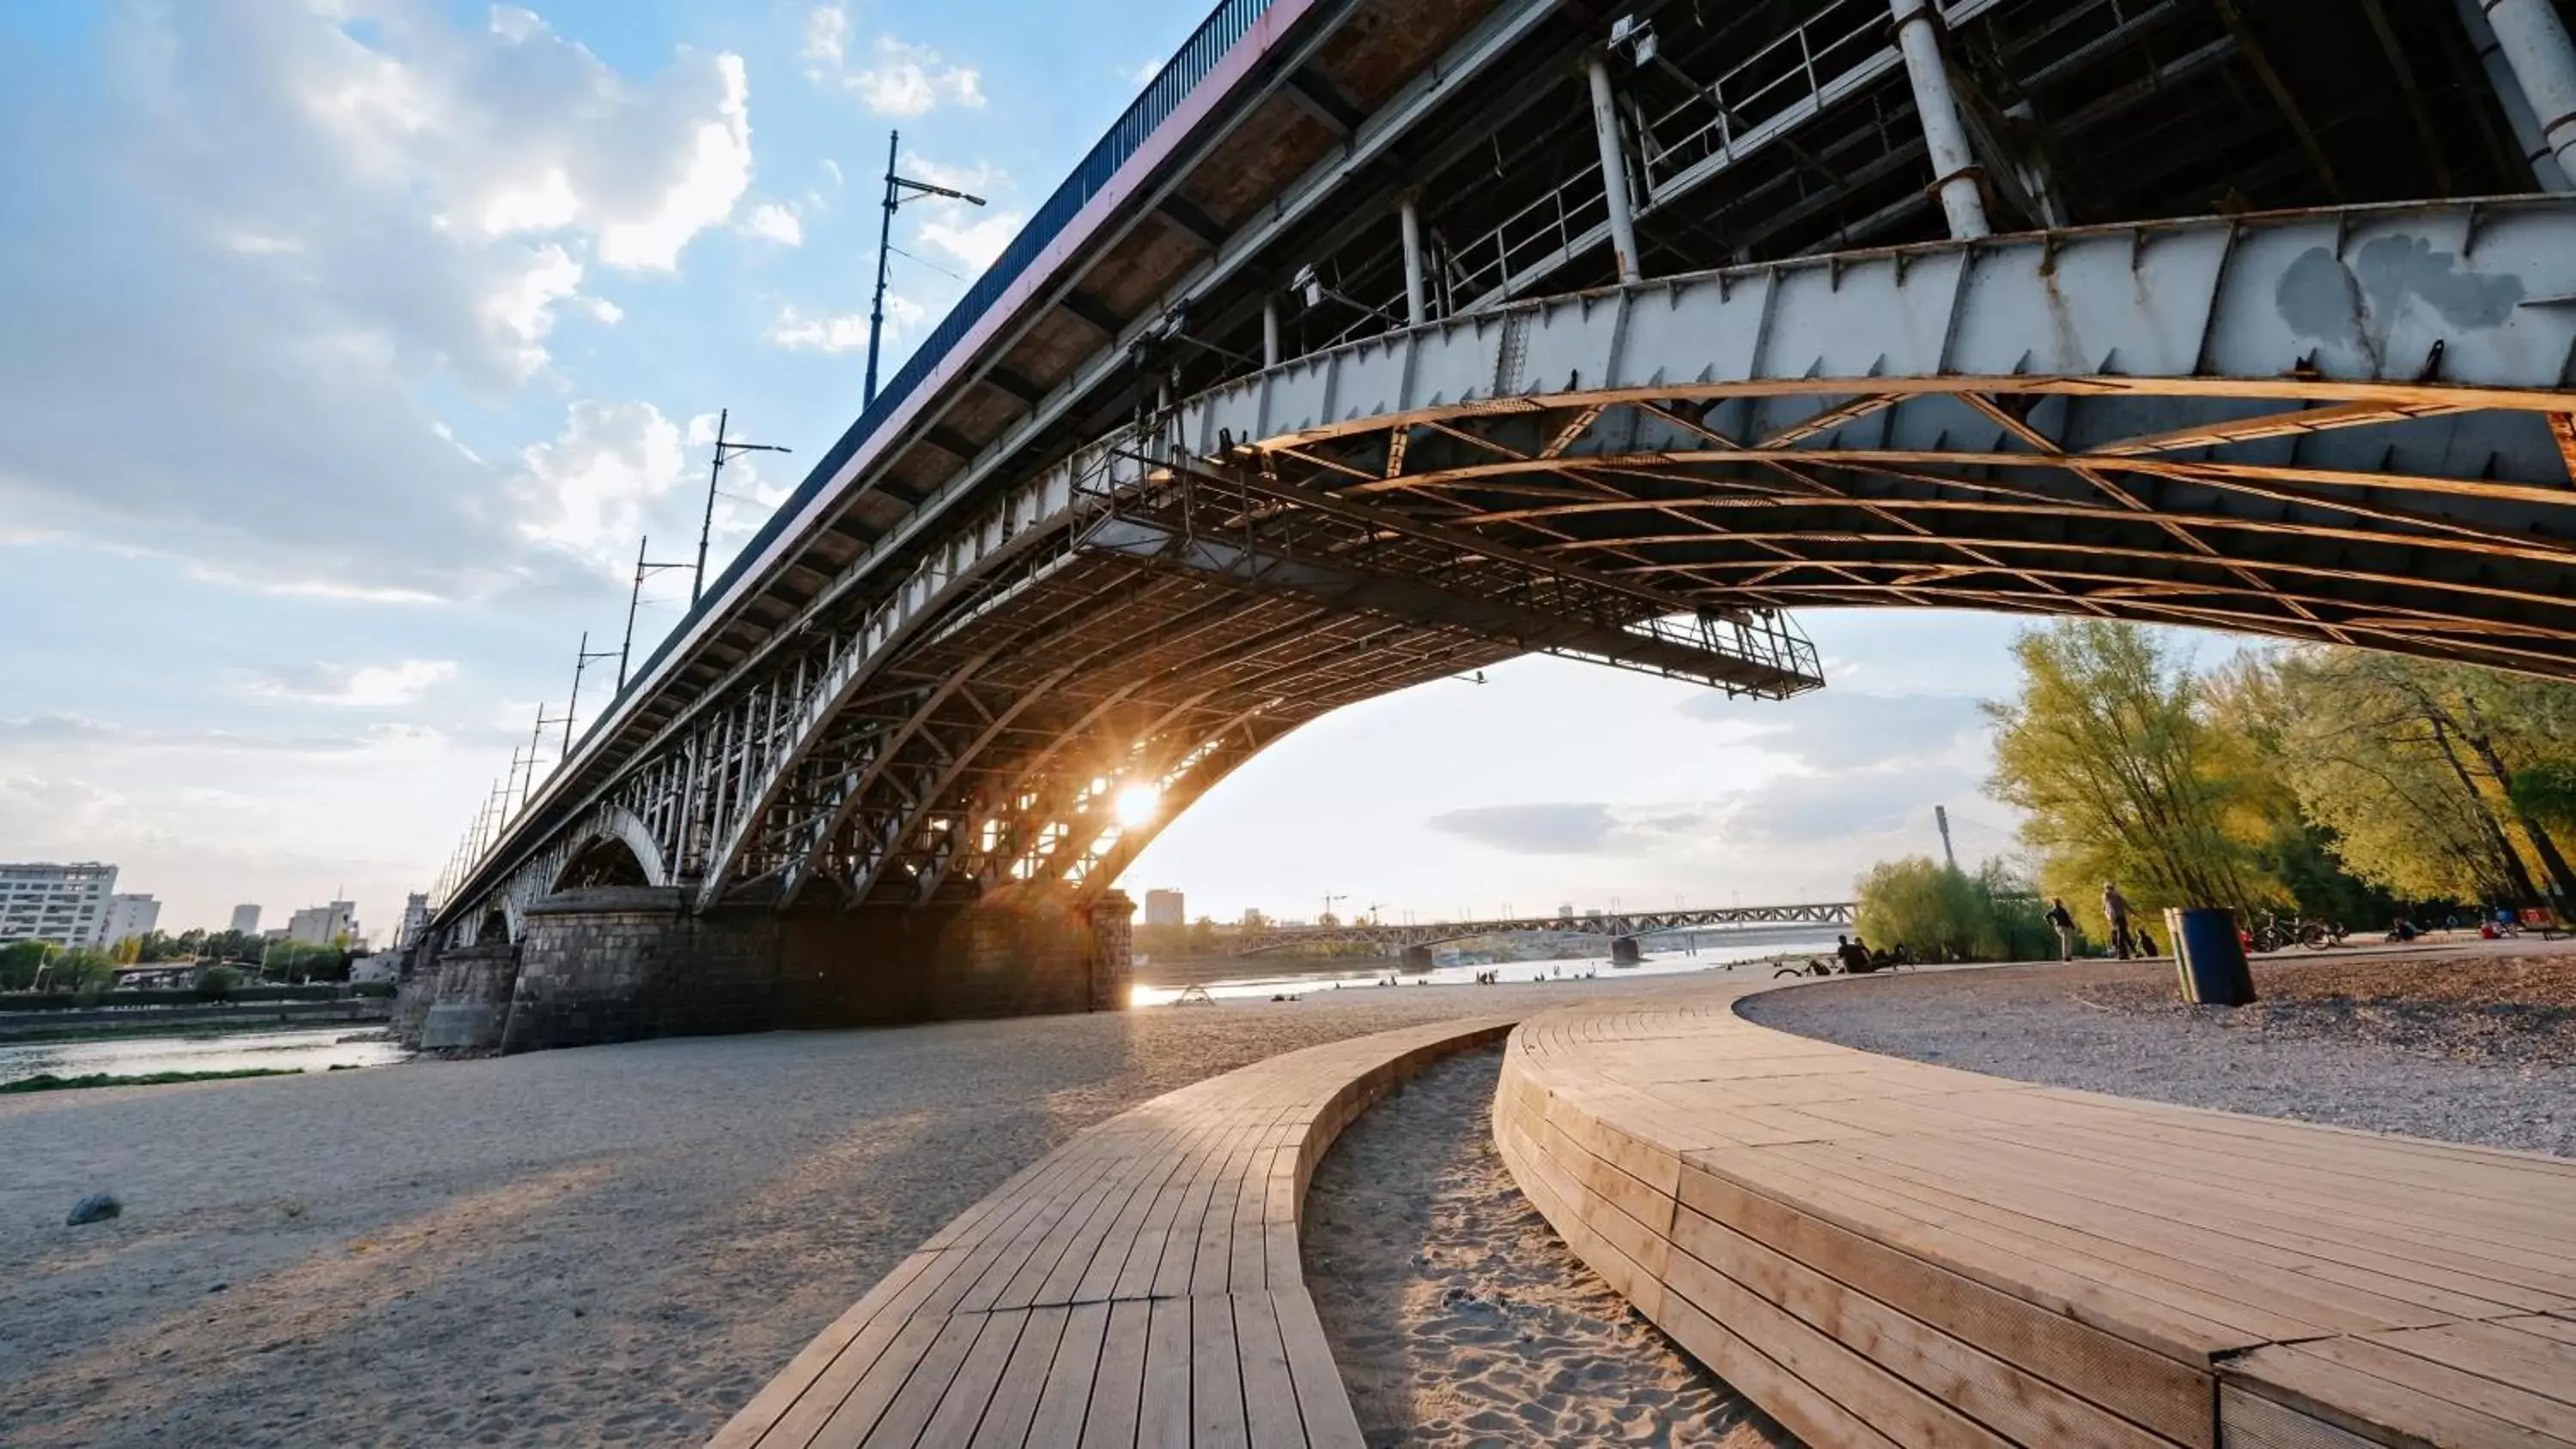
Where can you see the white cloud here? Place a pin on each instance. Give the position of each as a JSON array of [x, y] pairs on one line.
[[799, 333], [827, 35], [900, 79], [283, 234], [977, 242], [770, 221], [718, 170], [1143, 72], [588, 491], [365, 686], [846, 331]]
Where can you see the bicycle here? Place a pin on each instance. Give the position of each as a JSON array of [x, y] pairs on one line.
[[2277, 934], [1812, 968]]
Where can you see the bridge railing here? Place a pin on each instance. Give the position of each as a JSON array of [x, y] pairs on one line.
[[1191, 64]]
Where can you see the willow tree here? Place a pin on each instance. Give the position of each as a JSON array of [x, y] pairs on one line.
[[2108, 753], [2412, 764]]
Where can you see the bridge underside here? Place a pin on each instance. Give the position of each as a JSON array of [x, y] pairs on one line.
[[986, 624]]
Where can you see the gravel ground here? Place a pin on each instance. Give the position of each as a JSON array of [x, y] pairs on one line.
[[2438, 1047], [612, 1245], [1457, 1315]]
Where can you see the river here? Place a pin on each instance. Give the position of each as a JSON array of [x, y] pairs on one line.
[[304, 1049], [1258, 982]]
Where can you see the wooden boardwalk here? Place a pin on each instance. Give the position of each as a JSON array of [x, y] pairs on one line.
[[1139, 1286], [1881, 1252]]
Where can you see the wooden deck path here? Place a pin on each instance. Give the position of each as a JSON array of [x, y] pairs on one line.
[[1881, 1252], [1138, 1286]]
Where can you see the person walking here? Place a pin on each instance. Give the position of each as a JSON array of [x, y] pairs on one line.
[[2115, 910], [2064, 920]]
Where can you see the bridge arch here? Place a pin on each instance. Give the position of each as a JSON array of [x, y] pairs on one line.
[[618, 851], [2349, 426]]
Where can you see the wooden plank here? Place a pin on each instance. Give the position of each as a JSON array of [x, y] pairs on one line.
[[1217, 1415], [1117, 1394], [2378, 1409], [1065, 1400], [854, 1416], [1322, 1403], [908, 1413], [1163, 1414], [2019, 1405], [1024, 1381], [1269, 1393], [969, 1396]]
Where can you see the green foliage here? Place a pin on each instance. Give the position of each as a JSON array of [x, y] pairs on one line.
[[21, 960], [2122, 778], [1941, 912], [2548, 791], [218, 983], [299, 961], [83, 970]]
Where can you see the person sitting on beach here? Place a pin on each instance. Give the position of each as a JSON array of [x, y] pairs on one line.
[[1853, 955], [2402, 930]]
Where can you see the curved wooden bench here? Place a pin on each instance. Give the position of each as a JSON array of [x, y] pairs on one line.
[[1884, 1252], [1137, 1286]]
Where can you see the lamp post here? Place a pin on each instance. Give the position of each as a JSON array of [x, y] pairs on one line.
[[724, 452], [898, 190]]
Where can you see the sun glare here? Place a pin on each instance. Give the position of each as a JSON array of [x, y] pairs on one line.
[[1139, 804]]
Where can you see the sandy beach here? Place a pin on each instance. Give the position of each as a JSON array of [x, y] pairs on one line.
[[612, 1245], [1460, 1318]]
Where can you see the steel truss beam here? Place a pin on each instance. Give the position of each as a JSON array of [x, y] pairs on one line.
[[2349, 424]]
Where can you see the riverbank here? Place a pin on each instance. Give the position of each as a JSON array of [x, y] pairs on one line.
[[618, 1244], [2475, 1047], [103, 1023]]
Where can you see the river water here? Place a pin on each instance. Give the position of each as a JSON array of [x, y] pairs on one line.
[[303, 1049], [1258, 983]]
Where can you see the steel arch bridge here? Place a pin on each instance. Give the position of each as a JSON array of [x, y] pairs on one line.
[[2344, 426], [1612, 925], [1125, 522]]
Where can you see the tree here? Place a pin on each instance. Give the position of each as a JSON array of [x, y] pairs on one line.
[[2412, 765], [1941, 912], [21, 960], [2108, 753], [83, 969], [217, 983]]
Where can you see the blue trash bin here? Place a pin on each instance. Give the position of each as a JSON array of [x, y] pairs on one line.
[[2209, 956]]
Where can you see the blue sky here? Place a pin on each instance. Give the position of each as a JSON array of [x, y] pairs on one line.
[[352, 343]]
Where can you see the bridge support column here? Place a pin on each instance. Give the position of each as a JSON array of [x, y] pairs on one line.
[[2544, 61], [1417, 289], [621, 963], [1614, 169], [2510, 99], [1954, 165], [1417, 959], [455, 998], [1624, 951]]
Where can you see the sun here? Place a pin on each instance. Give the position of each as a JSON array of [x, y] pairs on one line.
[[1138, 804]]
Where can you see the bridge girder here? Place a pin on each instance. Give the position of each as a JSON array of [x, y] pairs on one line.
[[2347, 425]]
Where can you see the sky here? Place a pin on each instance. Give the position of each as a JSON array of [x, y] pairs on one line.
[[350, 345]]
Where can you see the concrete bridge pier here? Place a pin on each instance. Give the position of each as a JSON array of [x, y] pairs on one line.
[[1417, 959], [621, 963], [1625, 951]]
